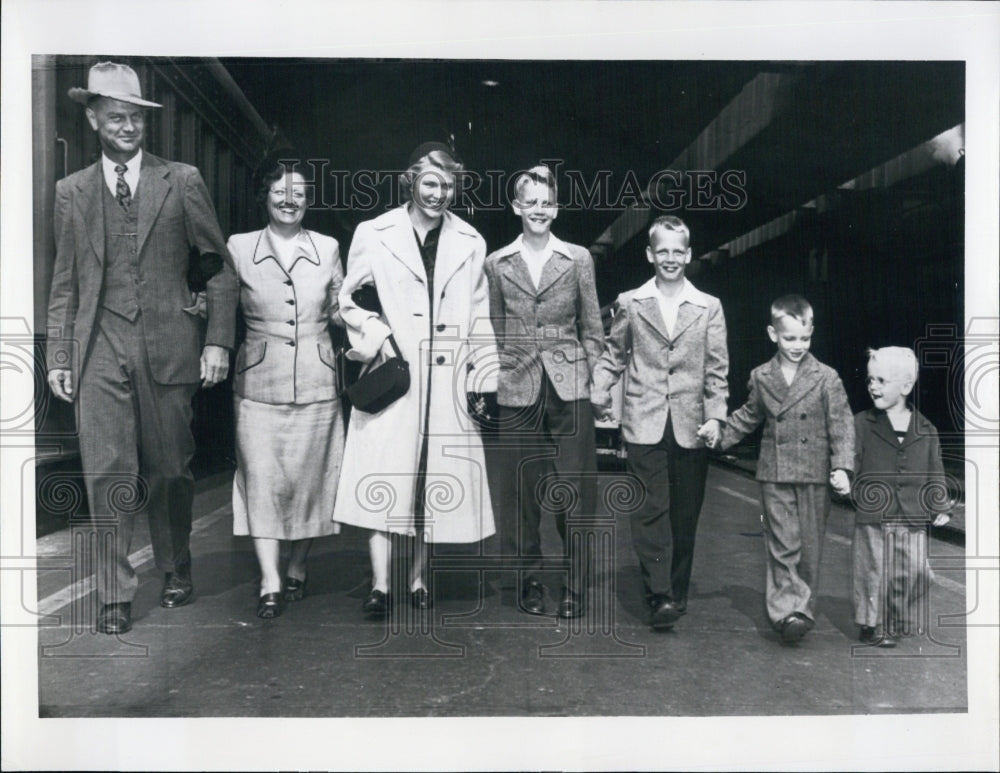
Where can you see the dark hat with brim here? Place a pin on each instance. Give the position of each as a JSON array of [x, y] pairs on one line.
[[114, 81]]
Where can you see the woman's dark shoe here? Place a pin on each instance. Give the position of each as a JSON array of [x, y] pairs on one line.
[[532, 598], [420, 598], [269, 606], [295, 590], [376, 605]]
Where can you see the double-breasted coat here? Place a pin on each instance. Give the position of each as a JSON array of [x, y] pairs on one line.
[[808, 425], [451, 350]]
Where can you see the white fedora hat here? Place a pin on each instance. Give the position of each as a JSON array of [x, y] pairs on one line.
[[115, 81]]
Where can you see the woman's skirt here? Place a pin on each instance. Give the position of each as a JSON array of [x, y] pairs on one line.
[[288, 463]]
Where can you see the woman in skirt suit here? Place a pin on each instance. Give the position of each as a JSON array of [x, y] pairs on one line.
[[289, 426]]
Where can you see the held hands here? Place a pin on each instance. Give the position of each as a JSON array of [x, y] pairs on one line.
[[601, 403], [61, 383], [710, 434], [840, 483], [214, 365]]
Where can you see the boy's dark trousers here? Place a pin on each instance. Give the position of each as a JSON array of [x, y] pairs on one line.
[[663, 528], [550, 464]]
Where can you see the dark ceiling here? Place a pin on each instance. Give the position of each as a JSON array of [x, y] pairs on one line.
[[791, 130]]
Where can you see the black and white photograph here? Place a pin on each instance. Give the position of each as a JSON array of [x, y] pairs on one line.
[[500, 386]]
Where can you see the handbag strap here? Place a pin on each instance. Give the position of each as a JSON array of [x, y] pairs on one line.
[[395, 347]]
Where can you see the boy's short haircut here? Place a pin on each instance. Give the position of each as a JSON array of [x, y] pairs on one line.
[[670, 223], [794, 306], [898, 359], [537, 174]]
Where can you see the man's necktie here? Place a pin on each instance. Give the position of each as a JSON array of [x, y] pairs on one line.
[[122, 192]]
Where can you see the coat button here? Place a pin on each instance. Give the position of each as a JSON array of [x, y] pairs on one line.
[[803, 416], [288, 281], [781, 418], [290, 302], [671, 371], [440, 328], [290, 343], [804, 440], [440, 360], [291, 322]]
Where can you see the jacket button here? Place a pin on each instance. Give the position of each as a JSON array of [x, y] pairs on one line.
[[288, 281], [781, 418], [440, 360], [440, 328], [291, 322], [290, 343], [805, 440], [290, 302], [671, 371], [803, 416]]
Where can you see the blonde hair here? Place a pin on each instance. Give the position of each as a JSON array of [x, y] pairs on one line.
[[898, 359], [537, 174], [436, 159], [794, 306]]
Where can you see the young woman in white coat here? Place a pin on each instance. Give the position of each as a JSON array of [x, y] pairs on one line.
[[417, 468]]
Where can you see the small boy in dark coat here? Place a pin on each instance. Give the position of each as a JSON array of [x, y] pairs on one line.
[[899, 489]]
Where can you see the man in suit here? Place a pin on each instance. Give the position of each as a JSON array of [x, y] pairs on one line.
[[672, 339], [543, 303], [123, 343]]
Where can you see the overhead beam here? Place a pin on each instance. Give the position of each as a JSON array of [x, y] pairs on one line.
[[739, 122]]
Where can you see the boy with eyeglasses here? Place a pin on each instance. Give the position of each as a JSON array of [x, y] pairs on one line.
[[899, 488]]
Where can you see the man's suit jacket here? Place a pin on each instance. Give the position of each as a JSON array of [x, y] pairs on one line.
[[900, 482], [554, 330], [175, 214], [683, 376], [808, 426]]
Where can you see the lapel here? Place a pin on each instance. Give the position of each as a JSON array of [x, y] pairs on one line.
[[154, 185], [649, 310], [686, 314], [554, 268], [396, 232], [882, 428], [803, 383], [454, 249], [515, 270], [91, 209]]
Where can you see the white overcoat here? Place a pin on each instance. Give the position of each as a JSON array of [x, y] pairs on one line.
[[451, 350]]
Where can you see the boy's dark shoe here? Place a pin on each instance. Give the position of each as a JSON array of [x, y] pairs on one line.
[[871, 635], [794, 627], [665, 613], [571, 604], [532, 597]]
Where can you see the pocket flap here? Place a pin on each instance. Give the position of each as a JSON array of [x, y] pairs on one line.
[[251, 354]]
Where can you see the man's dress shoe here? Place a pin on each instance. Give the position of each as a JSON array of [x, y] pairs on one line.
[[571, 604], [115, 618], [533, 597], [177, 589]]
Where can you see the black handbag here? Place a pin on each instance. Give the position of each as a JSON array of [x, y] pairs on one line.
[[380, 386]]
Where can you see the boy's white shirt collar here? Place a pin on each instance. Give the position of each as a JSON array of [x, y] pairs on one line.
[[689, 293], [131, 174], [555, 244]]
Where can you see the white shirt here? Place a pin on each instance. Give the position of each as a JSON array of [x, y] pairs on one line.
[[669, 307], [131, 173]]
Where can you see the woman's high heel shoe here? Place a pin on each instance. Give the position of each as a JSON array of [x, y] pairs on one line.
[[376, 605], [295, 590], [269, 606]]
